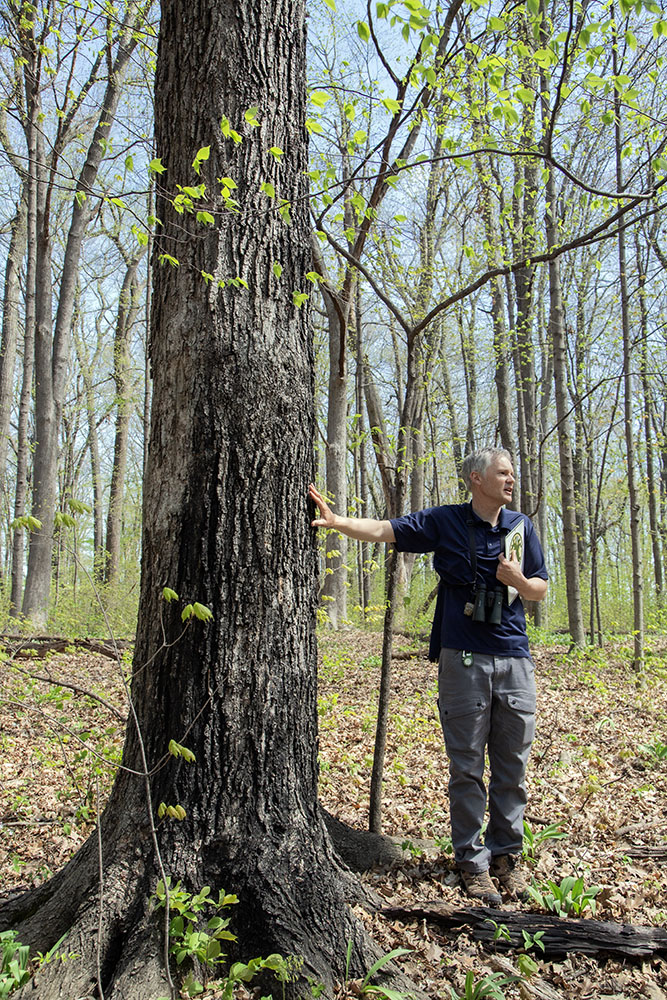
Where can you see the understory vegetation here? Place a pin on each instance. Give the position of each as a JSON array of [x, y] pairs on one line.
[[596, 831]]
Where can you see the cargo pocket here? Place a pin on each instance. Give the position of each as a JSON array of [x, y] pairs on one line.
[[465, 722], [514, 720]]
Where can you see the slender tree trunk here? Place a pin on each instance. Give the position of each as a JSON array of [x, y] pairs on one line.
[[127, 310], [10, 324], [25, 402], [363, 548], [567, 485], [384, 698], [559, 348], [53, 343], [628, 404], [86, 368], [334, 588], [652, 481]]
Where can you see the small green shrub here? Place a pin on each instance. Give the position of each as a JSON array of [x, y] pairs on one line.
[[488, 986], [532, 839], [14, 967], [188, 940], [570, 897]]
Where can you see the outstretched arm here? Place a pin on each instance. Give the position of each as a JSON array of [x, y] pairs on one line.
[[364, 529]]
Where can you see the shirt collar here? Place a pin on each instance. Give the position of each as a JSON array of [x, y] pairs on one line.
[[504, 519]]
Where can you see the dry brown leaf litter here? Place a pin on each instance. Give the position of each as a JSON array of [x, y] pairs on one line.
[[591, 770]]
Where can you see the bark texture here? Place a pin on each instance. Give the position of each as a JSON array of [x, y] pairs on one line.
[[226, 525]]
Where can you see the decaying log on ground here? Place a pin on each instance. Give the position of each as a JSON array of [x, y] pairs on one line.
[[658, 853], [36, 647], [561, 935]]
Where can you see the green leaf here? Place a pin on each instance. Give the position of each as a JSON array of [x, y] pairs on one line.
[[156, 166], [391, 104], [331, 4], [298, 298], [169, 594], [319, 98], [200, 611], [527, 965], [268, 189], [381, 962], [276, 152], [201, 157], [251, 117], [313, 126], [228, 131], [363, 31], [497, 24], [140, 236], [526, 95], [277, 269], [206, 218], [177, 750]]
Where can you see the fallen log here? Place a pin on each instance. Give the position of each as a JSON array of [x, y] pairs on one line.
[[37, 647], [561, 935], [637, 851]]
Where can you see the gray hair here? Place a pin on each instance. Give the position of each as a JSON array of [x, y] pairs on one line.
[[479, 461]]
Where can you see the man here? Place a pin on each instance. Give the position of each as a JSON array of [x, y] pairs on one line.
[[486, 682]]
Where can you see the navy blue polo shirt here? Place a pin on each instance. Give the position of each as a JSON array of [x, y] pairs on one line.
[[444, 532]]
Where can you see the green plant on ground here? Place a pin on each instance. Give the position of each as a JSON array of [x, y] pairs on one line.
[[444, 843], [488, 986], [364, 987], [533, 940], [413, 849], [656, 751], [570, 897], [14, 958], [501, 931], [189, 940], [527, 966], [533, 838], [186, 912]]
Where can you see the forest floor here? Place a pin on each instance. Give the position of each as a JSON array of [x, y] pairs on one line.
[[598, 771]]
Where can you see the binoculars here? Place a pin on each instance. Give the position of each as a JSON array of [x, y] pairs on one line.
[[487, 606]]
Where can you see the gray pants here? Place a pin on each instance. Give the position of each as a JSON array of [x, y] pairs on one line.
[[490, 704]]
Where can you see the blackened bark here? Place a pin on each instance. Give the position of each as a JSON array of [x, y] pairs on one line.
[[225, 524]]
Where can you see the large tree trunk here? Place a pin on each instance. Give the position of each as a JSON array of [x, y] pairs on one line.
[[225, 524]]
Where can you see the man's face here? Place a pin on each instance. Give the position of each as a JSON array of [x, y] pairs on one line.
[[496, 483]]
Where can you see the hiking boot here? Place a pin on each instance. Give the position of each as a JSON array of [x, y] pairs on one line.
[[505, 868], [479, 886]]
